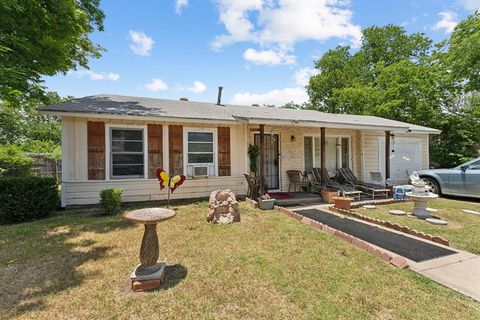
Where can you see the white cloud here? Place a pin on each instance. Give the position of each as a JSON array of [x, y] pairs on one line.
[[110, 76], [277, 97], [156, 85], [447, 21], [197, 87], [270, 57], [282, 23], [179, 4], [470, 5], [302, 76], [141, 43]]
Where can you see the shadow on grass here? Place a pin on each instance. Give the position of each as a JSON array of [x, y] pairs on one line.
[[174, 274], [43, 259]]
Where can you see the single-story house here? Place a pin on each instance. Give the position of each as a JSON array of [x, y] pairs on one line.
[[119, 141]]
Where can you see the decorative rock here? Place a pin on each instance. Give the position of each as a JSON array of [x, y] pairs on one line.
[[397, 212], [223, 207], [470, 211], [436, 221], [369, 206]]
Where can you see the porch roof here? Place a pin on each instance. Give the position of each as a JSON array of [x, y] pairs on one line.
[[114, 106]]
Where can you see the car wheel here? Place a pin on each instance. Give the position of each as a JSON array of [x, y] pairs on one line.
[[433, 184]]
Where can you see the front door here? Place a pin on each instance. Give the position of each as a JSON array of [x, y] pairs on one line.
[[271, 159]]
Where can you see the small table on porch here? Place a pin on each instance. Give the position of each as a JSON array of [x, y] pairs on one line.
[[149, 273]]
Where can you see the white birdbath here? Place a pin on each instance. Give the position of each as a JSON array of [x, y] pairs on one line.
[[420, 203]]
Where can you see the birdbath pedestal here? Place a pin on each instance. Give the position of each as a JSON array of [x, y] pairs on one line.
[[149, 273]]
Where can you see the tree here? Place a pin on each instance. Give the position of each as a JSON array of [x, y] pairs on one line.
[[406, 78], [42, 38]]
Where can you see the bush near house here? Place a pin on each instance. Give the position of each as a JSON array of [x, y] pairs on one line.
[[111, 200], [27, 198], [13, 164]]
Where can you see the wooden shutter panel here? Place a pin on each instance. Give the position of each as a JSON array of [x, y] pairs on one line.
[[175, 149], [155, 149], [224, 158], [96, 150]]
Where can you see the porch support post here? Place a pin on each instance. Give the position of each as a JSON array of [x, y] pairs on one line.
[[387, 154], [262, 159], [322, 154]]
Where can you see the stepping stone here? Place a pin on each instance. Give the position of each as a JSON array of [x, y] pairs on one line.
[[470, 211], [431, 210], [436, 221], [369, 206], [397, 212]]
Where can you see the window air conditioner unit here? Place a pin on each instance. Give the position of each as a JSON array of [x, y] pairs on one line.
[[200, 171]]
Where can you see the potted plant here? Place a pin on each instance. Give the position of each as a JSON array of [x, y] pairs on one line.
[[265, 202], [328, 195], [342, 202]]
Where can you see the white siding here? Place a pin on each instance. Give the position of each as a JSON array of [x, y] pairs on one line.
[[371, 150], [87, 192], [77, 190]]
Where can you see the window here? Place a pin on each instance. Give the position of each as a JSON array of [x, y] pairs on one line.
[[337, 153], [200, 153], [312, 152], [345, 152], [126, 153]]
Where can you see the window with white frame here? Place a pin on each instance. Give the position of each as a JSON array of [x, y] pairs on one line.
[[200, 152], [127, 153], [337, 153]]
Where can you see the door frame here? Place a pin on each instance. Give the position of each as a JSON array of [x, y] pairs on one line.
[[279, 178]]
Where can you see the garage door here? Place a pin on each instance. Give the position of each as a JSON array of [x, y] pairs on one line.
[[405, 158]]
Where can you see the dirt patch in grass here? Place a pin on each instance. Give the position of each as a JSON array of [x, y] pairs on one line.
[[268, 266], [463, 229]]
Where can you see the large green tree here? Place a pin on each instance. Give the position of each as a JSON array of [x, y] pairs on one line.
[[408, 78], [42, 38]]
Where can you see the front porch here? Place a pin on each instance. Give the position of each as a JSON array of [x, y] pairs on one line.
[[286, 148]]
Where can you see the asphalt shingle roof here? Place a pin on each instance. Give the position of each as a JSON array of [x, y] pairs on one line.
[[176, 109]]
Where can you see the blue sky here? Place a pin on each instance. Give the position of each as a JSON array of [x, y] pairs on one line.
[[260, 51]]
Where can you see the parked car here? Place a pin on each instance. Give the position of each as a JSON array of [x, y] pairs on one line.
[[463, 180]]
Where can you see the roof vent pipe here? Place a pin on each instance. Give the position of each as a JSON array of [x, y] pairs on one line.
[[219, 99]]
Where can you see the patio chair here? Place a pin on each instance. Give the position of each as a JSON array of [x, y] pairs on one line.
[[297, 181], [346, 175], [254, 186], [347, 190], [376, 176]]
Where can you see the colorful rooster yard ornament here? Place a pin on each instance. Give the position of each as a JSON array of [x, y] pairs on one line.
[[170, 183]]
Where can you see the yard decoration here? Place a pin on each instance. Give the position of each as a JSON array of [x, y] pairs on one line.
[[170, 183], [223, 207], [150, 273]]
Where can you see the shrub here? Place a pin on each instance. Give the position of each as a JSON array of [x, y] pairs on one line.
[[111, 200], [13, 164], [27, 198]]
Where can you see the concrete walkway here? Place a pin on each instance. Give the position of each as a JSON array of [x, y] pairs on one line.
[[460, 272]]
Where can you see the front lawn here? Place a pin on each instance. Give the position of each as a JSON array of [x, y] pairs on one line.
[[463, 229], [269, 266]]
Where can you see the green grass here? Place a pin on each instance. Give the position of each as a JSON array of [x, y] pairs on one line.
[[268, 266], [463, 230]]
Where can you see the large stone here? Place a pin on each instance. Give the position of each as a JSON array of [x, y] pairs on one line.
[[223, 207]]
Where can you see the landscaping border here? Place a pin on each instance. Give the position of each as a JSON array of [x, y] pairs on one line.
[[394, 226], [396, 260]]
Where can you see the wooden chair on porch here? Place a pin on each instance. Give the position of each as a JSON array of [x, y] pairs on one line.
[[297, 181], [254, 186]]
